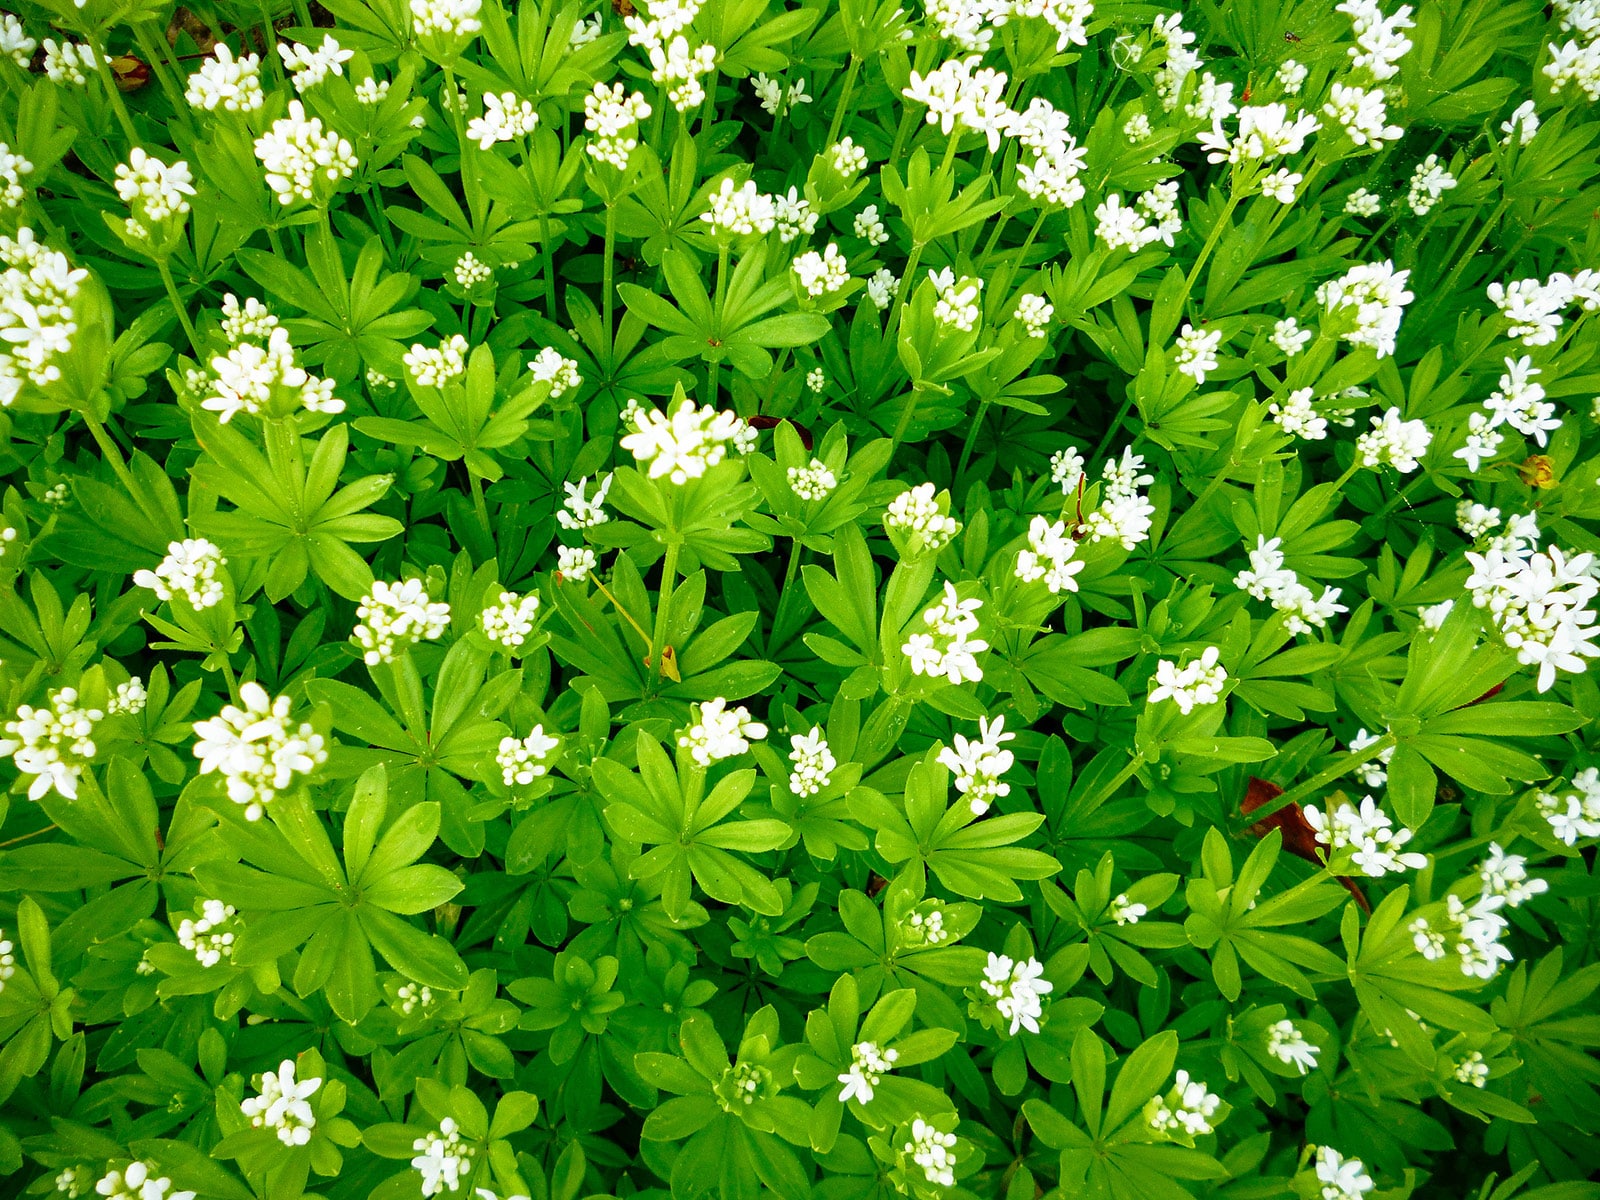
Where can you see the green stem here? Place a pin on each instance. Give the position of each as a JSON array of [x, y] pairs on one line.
[[779, 617], [1211, 242], [972, 436], [1111, 430], [115, 97], [1340, 768], [708, 109], [178, 307], [1117, 780], [658, 642], [479, 506], [547, 256], [380, 220], [276, 241], [610, 270], [108, 449], [228, 677], [841, 112], [907, 286], [160, 65], [715, 368]]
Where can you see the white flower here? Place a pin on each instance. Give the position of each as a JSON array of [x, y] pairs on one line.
[[522, 760], [720, 732], [957, 303], [881, 288], [584, 512], [1429, 182], [687, 444], [442, 1160], [1280, 185], [1050, 556], [1400, 444], [1292, 75], [847, 158], [52, 744], [1017, 990], [1369, 833], [1123, 514], [1181, 61], [225, 82], [265, 380], [1475, 520], [310, 67], [283, 1105], [575, 562], [817, 380], [739, 211], [1341, 1178], [1362, 203], [256, 749], [1379, 42], [1533, 309], [1125, 911], [1371, 772], [1539, 602], [1196, 352], [506, 117], [1066, 470], [979, 764], [917, 515], [552, 367], [211, 934], [1363, 113], [8, 961], [1265, 131], [812, 482], [413, 997], [446, 18], [948, 650], [190, 567], [70, 63], [1572, 62], [138, 1181], [1288, 1045], [921, 928], [961, 92], [470, 271], [934, 1152], [1577, 814], [1520, 403], [1372, 298], [1188, 1106], [674, 64], [251, 321], [1137, 128], [1483, 442], [129, 698], [508, 623], [394, 616], [1288, 337], [301, 161], [437, 366], [15, 42], [813, 762], [869, 225], [1268, 579], [1506, 876], [1472, 1070], [820, 274], [868, 1065], [372, 92], [611, 116], [1193, 685], [774, 97], [1035, 313], [12, 168], [38, 317], [1522, 124]]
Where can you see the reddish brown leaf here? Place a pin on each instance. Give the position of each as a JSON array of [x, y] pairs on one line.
[[1299, 839]]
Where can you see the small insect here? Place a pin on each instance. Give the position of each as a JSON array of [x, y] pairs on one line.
[[1245, 99], [1290, 36], [623, 8]]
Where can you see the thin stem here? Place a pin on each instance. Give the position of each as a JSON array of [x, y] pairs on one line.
[[1212, 239], [972, 436], [1341, 767], [708, 110], [1111, 430], [229, 679], [1120, 778], [380, 220], [115, 97], [112, 454], [547, 256], [715, 368], [658, 643], [163, 71], [907, 284], [24, 837], [610, 270], [167, 282], [479, 506], [778, 621], [840, 113], [276, 241]]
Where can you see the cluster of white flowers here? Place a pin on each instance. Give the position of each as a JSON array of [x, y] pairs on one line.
[[13, 167], [1017, 988], [53, 744], [1288, 1045], [822, 274], [1193, 685], [1476, 520], [301, 161], [1373, 773], [506, 117], [1533, 310], [70, 63], [680, 68], [688, 443], [881, 288], [1180, 61], [1124, 513], [924, 928], [264, 379], [190, 568], [257, 749], [1035, 313], [1518, 402], [508, 622], [1153, 217], [1379, 43], [250, 320], [1266, 131], [1473, 931], [817, 380], [1363, 113], [1188, 1106], [1195, 353], [960, 92], [522, 760], [812, 482], [470, 271], [775, 98], [15, 42], [413, 996], [8, 960], [210, 936], [813, 762], [1429, 182], [284, 1105], [129, 698], [1574, 62], [611, 115], [1342, 1178], [1539, 600], [137, 1181], [934, 1152], [225, 82], [720, 732], [868, 1065], [1368, 832], [1576, 814], [957, 302], [979, 764], [372, 91], [38, 319], [1288, 337], [452, 19], [1124, 910], [739, 210], [310, 67], [575, 562], [1050, 556], [1393, 441], [552, 367], [443, 1159], [394, 616], [1472, 1070], [1268, 579], [949, 650], [438, 365], [580, 511], [1371, 299], [868, 224]]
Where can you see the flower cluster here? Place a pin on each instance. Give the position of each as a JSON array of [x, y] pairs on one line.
[[138, 1181], [1375, 846], [53, 744], [395, 616], [264, 378], [190, 569], [813, 762], [210, 934], [720, 732], [1124, 512], [38, 317], [1288, 1045], [552, 367], [506, 117], [443, 1159], [283, 1105], [522, 760], [612, 116], [1367, 303], [948, 650], [1576, 814], [1050, 556], [301, 160], [868, 1065], [1195, 684], [919, 522], [688, 443], [1188, 1107], [257, 749], [979, 764], [1016, 988], [1341, 1178], [1395, 442], [1268, 579], [508, 622], [1539, 600], [933, 1151]]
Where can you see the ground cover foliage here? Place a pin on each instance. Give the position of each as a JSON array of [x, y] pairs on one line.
[[986, 599]]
